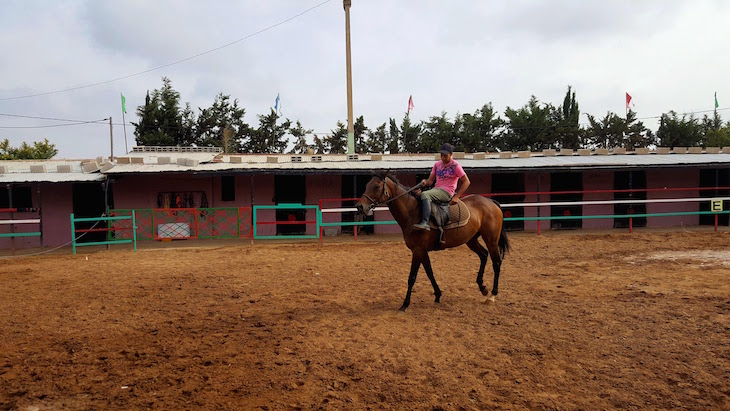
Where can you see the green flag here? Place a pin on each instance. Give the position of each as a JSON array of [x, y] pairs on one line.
[[716, 105], [124, 104]]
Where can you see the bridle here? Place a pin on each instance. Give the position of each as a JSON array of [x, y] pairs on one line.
[[374, 203]]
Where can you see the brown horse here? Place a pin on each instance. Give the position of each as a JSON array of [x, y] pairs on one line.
[[485, 221]]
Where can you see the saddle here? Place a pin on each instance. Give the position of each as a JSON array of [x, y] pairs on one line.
[[445, 217]]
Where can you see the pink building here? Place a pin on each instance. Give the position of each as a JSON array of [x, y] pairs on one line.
[[552, 191]]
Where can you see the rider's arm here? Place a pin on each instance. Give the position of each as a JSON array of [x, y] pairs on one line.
[[463, 185], [430, 180]]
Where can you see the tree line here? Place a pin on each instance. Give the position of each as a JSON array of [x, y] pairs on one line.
[[37, 151], [535, 126]]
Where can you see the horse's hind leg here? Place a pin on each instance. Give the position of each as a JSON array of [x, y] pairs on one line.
[[474, 245]]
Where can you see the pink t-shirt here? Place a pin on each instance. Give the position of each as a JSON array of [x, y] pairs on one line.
[[447, 175]]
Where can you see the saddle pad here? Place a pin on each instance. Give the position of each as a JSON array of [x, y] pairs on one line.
[[458, 216]]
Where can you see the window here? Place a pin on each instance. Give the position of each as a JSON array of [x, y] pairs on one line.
[[22, 197], [228, 188]]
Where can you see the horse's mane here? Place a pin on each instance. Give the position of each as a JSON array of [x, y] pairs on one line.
[[386, 173]]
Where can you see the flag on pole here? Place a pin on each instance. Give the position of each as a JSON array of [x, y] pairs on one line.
[[628, 100], [276, 103], [410, 104], [124, 103], [716, 105]]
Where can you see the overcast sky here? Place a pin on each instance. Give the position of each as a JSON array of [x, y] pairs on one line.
[[451, 56]]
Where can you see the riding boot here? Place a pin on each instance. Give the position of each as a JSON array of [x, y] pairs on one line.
[[425, 214]]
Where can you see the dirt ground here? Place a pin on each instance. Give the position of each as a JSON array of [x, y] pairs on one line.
[[582, 321]]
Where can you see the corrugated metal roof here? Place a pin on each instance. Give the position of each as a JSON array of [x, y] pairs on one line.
[[258, 163], [19, 171]]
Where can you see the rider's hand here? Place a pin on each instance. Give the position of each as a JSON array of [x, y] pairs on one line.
[[453, 200]]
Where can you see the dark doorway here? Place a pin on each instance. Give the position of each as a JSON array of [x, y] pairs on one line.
[[626, 180], [510, 183], [293, 190], [714, 178], [560, 182], [88, 202], [353, 186]]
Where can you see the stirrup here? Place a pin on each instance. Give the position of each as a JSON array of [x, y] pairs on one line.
[[422, 226]]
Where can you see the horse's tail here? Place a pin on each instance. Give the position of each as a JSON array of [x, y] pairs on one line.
[[503, 240]]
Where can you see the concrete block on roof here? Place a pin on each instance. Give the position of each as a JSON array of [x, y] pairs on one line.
[[641, 150], [236, 159], [124, 160], [458, 155], [549, 152], [99, 160], [565, 152], [504, 154], [63, 168], [437, 157], [524, 154], [191, 163], [680, 150], [695, 150], [662, 150], [376, 157], [584, 152], [163, 160], [39, 168], [180, 161], [479, 156], [712, 150], [726, 150], [619, 150], [3, 169], [106, 166], [89, 167], [602, 151], [317, 158], [352, 157], [137, 160], [272, 159]]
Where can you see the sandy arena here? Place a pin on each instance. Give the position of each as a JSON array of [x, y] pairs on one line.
[[582, 321]]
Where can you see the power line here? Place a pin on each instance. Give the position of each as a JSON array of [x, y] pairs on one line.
[[173, 63]]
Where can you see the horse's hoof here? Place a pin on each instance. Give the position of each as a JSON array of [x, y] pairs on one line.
[[484, 291], [438, 298], [490, 300], [403, 308]]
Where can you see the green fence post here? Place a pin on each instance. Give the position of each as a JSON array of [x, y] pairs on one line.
[[73, 234], [134, 230]]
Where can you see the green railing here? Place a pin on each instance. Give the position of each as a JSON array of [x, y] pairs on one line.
[[74, 231]]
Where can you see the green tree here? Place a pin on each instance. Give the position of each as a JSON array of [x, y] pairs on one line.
[[40, 150], [270, 137], [636, 134], [377, 141], [531, 127], [300, 139], [715, 134], [222, 125], [480, 131], [161, 119], [360, 133], [336, 142], [394, 137], [568, 132], [679, 132], [606, 132], [434, 132]]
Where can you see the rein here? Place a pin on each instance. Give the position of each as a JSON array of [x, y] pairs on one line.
[[374, 203]]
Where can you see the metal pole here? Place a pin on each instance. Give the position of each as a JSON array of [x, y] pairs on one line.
[[124, 124], [350, 126], [12, 226], [111, 139]]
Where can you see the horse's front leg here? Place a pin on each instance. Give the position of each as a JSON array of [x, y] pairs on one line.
[[429, 273], [415, 264]]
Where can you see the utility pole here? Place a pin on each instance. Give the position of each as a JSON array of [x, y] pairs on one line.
[[350, 126], [111, 139]]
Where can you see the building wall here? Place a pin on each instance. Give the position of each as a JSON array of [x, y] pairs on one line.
[[598, 180], [672, 178]]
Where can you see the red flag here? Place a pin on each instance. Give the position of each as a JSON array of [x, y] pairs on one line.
[[410, 104], [628, 100]]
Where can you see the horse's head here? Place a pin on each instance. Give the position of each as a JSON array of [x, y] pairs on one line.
[[376, 192]]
